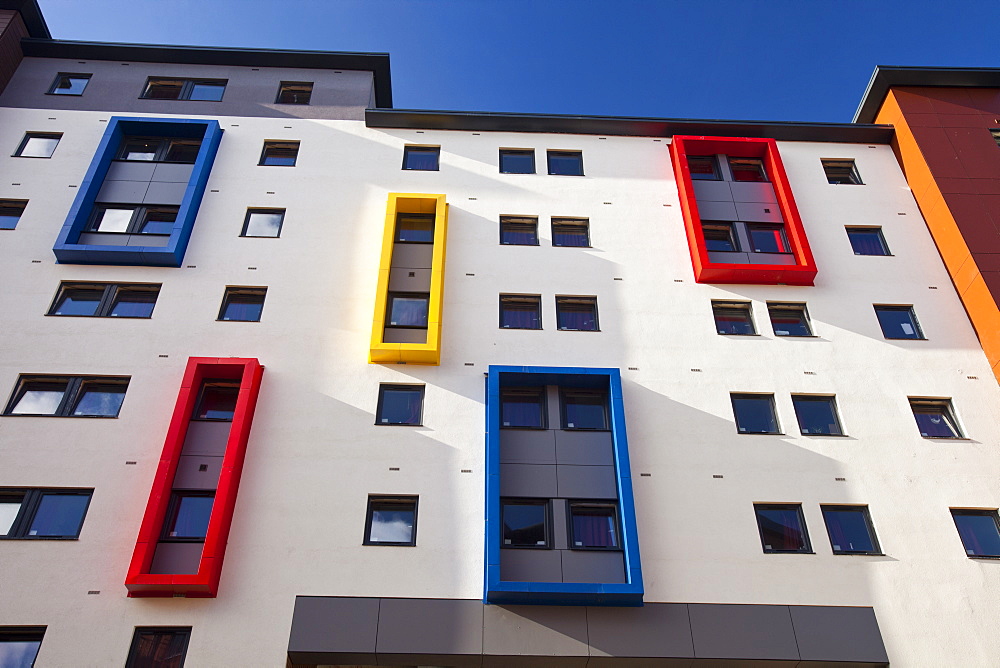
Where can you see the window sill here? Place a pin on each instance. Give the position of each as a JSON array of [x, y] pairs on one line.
[[565, 246], [261, 164], [578, 330], [988, 557], [945, 438], [389, 544], [787, 552], [174, 99], [231, 320], [414, 169], [796, 336], [825, 435], [604, 429], [734, 334], [211, 420], [760, 433], [875, 254], [111, 317], [861, 554], [507, 243], [905, 338], [47, 415], [525, 547], [39, 538], [577, 548], [397, 424], [36, 157], [523, 329]]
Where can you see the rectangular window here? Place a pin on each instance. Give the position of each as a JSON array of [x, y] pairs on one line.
[[391, 521], [789, 319], [519, 230], [11, 211], [867, 241], [279, 154], [755, 413], [38, 145], [105, 300], [414, 228], [263, 223], [979, 531], [898, 322], [842, 172], [294, 92], [162, 88], [400, 404], [242, 304], [565, 163], [703, 168], [733, 318], [719, 236], [69, 84], [407, 309], [522, 408], [43, 513], [159, 149], [187, 516], [421, 158], [768, 238], [593, 526], [935, 418], [157, 647], [584, 409], [782, 528], [817, 415], [525, 523], [124, 219], [573, 232], [748, 169], [578, 314], [19, 645], [217, 400], [517, 161], [850, 529], [68, 396], [520, 312]]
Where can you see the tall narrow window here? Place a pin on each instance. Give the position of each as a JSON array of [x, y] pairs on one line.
[[578, 314], [979, 531], [935, 418], [571, 232], [733, 318], [755, 413], [520, 312], [391, 521], [522, 408], [519, 230], [400, 404], [851, 530], [782, 528], [594, 526], [156, 647], [789, 319]]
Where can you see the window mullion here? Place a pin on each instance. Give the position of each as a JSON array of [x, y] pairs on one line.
[[104, 307], [135, 224], [69, 396]]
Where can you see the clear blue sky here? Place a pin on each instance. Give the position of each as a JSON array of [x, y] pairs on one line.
[[801, 60]]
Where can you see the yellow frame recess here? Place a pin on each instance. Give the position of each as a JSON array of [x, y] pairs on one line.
[[411, 353]]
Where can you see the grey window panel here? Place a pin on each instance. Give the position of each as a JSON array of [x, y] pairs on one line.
[[176, 558], [166, 172], [189, 475], [772, 258], [130, 170], [206, 438], [514, 631], [712, 191], [537, 481], [591, 448], [560, 525], [401, 281], [104, 239], [426, 631], [149, 240], [528, 446], [709, 210], [586, 482], [654, 630], [755, 212], [728, 257], [593, 566], [753, 192], [404, 335], [531, 565], [743, 632], [412, 256], [334, 630], [814, 623], [165, 193], [130, 192]]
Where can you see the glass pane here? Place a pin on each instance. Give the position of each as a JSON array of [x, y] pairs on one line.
[[585, 411], [113, 220], [264, 224], [69, 85], [565, 164], [140, 149], [133, 304], [102, 400], [218, 402], [781, 529], [570, 235], [934, 422], [10, 214], [524, 525], [755, 414], [39, 147], [408, 311], [867, 242], [158, 649], [211, 92], [243, 307], [295, 93], [789, 322], [576, 315], [898, 323], [59, 515], [280, 155], [79, 302], [412, 228], [702, 168], [733, 321], [401, 406], [719, 238], [816, 415], [159, 221], [8, 513], [594, 527], [183, 150], [190, 517], [40, 399], [979, 534], [517, 162], [522, 409], [849, 531], [747, 169], [18, 653], [391, 523], [520, 314], [519, 234], [164, 89], [841, 172], [420, 158], [768, 239]]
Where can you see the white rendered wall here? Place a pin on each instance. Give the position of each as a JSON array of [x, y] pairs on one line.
[[315, 454]]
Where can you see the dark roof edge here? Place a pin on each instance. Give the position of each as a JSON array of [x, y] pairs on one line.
[[625, 126], [31, 14], [376, 63], [886, 76]]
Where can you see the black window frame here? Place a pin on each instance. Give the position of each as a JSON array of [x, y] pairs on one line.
[[748, 159], [946, 410], [74, 387], [841, 171], [775, 308], [805, 549], [23, 634], [518, 152], [12, 208], [858, 229], [389, 500], [559, 153], [164, 146], [829, 399], [28, 136], [769, 227], [564, 395], [592, 504], [525, 392], [722, 228], [180, 633], [995, 133], [289, 87], [701, 176], [31, 500], [518, 224], [242, 291], [545, 504], [755, 395], [865, 516], [187, 86], [391, 296], [266, 211], [173, 508], [720, 307], [900, 308], [140, 216], [576, 303], [228, 383], [383, 388], [569, 223], [427, 150], [55, 87], [976, 512], [510, 299], [426, 217], [110, 299], [278, 145]]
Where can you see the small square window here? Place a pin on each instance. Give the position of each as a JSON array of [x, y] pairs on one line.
[[574, 232], [400, 404], [719, 236], [517, 161], [850, 529], [43, 513], [733, 318], [577, 314], [68, 396], [593, 526], [768, 238], [817, 415], [11, 211], [19, 645], [242, 304], [294, 92], [748, 170], [407, 309], [935, 418], [842, 172], [867, 241], [421, 158], [565, 163], [105, 300], [789, 319], [217, 400], [584, 409], [279, 154], [525, 523], [522, 408], [38, 145], [755, 413], [979, 531], [163, 89], [898, 322], [520, 312], [97, 398], [187, 516], [703, 168], [782, 528], [263, 223], [391, 521], [518, 230], [69, 84], [156, 647], [414, 228]]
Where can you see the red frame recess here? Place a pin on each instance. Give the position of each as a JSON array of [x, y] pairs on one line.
[[705, 271], [205, 583]]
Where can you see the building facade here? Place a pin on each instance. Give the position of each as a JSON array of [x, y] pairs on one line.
[[297, 378]]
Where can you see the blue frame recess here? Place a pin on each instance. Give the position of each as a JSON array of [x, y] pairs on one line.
[[66, 248], [559, 593]]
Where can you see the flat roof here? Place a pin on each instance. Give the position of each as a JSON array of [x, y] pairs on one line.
[[626, 126], [31, 14], [887, 76]]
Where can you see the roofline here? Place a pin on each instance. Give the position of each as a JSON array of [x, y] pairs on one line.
[[31, 14], [376, 63], [888, 76], [626, 126]]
